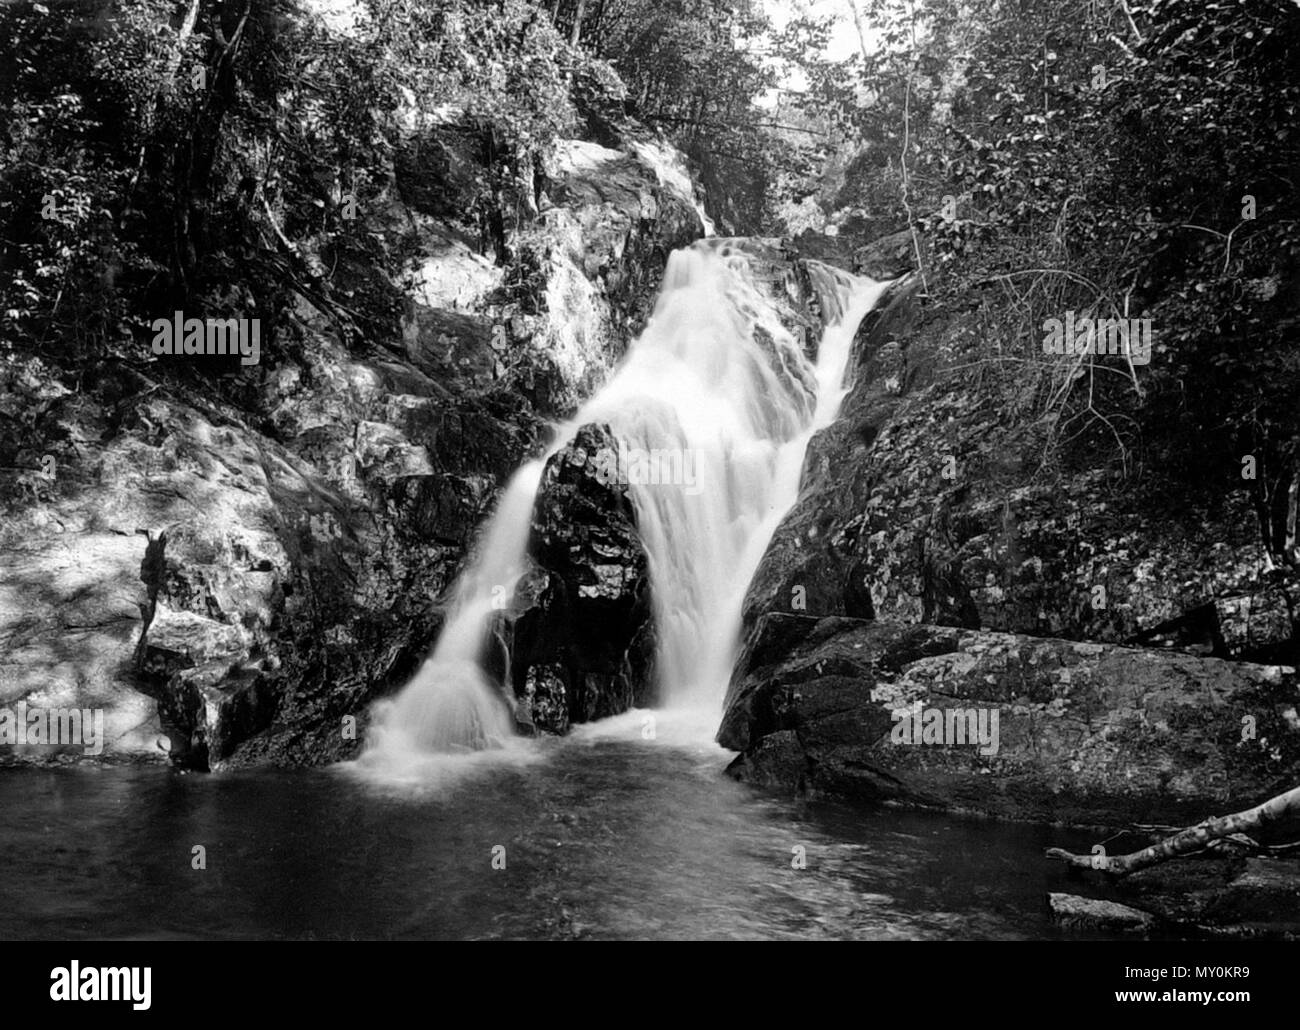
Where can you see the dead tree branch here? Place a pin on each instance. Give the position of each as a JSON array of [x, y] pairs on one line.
[[1189, 841]]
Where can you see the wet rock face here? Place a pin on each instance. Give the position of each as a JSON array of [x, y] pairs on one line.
[[810, 565], [919, 506], [1041, 729], [317, 509], [582, 639]]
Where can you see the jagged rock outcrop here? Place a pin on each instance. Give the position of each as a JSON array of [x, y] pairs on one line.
[[923, 503], [1064, 731], [582, 638]]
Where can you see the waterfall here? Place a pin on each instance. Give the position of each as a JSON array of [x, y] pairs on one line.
[[718, 385], [451, 705], [713, 408]]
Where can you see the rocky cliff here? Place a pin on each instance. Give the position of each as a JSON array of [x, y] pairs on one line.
[[931, 562], [233, 574]]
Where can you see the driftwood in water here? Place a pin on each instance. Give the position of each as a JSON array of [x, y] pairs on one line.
[[1196, 838]]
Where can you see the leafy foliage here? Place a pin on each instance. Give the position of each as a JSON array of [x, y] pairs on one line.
[[206, 155], [1111, 158]]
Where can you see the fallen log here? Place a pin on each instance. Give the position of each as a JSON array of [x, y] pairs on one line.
[[1195, 838]]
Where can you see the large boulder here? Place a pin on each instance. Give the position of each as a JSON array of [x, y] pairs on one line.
[[582, 639], [1024, 727]]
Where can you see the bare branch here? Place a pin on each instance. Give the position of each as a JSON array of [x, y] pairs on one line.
[[1189, 841]]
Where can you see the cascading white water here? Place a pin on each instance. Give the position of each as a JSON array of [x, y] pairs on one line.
[[717, 377], [451, 705], [713, 406]]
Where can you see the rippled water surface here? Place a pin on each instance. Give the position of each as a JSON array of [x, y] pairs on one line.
[[606, 835]]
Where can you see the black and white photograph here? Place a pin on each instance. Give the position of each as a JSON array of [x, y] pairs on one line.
[[652, 470]]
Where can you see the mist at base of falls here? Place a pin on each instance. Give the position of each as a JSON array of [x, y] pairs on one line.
[[721, 398]]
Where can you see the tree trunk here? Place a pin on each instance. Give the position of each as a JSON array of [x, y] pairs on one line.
[[857, 24], [1188, 841], [597, 24], [577, 23], [1290, 547], [182, 37], [173, 65]]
